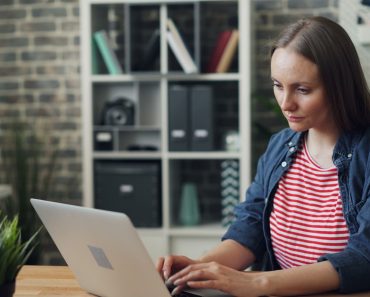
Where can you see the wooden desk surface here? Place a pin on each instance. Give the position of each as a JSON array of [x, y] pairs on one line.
[[49, 281]]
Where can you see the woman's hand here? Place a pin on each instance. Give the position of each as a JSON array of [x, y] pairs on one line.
[[216, 276], [167, 266]]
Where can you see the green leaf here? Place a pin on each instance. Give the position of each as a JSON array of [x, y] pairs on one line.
[[13, 252]]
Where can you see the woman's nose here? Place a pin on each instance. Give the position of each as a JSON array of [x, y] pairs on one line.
[[288, 102]]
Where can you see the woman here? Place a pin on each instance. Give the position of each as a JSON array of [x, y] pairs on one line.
[[308, 209]]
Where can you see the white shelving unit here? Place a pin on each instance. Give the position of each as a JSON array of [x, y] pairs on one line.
[[153, 125]]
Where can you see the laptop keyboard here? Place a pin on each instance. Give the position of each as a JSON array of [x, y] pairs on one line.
[[181, 294]]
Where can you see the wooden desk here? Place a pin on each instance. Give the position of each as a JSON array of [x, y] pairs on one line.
[[49, 281]]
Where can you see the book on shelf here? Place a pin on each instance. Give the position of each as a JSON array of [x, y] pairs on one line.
[[218, 49], [229, 53], [95, 58], [179, 49], [109, 56]]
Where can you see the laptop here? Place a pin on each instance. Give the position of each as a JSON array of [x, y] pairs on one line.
[[104, 251]]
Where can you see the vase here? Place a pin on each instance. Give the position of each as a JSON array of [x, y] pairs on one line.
[[189, 205], [7, 289]]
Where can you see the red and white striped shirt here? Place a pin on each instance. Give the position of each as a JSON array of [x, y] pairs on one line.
[[307, 217]]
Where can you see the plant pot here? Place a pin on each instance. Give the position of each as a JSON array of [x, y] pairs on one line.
[[7, 289]]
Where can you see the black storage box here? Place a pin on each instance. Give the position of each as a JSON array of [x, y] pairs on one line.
[[133, 188]]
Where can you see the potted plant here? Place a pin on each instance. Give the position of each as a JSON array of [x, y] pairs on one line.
[[13, 253]]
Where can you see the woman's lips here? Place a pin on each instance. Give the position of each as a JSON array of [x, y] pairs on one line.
[[294, 118]]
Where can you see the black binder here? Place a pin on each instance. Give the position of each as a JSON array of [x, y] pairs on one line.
[[178, 118], [201, 118]]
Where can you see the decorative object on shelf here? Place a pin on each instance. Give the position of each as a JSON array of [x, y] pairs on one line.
[[231, 141], [179, 49], [189, 205], [229, 190], [13, 253], [109, 56], [119, 112]]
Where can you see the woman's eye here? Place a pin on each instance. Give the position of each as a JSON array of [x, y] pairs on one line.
[[303, 90], [276, 85]]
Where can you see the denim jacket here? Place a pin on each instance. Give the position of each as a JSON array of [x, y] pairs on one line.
[[351, 156]]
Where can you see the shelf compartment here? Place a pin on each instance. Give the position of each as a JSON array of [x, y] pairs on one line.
[[132, 187], [144, 38], [145, 98], [134, 139], [225, 114], [143, 140], [110, 18], [136, 127], [211, 28], [185, 17], [206, 176]]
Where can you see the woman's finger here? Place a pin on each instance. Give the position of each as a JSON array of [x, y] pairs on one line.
[[167, 267], [187, 270], [204, 273], [159, 266]]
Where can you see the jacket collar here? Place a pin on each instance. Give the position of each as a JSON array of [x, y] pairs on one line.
[[346, 144]]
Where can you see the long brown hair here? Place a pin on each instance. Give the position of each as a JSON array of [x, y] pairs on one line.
[[327, 44]]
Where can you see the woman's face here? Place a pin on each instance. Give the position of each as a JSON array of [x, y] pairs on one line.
[[300, 92]]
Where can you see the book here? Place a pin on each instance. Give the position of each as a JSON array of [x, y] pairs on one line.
[[229, 53], [179, 49], [109, 56], [218, 49], [95, 65]]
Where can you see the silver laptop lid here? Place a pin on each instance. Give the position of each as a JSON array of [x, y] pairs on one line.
[[102, 249]]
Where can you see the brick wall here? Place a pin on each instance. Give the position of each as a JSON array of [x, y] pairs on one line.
[[270, 17], [39, 75], [39, 79]]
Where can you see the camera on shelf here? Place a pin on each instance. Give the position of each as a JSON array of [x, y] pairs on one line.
[[119, 112]]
